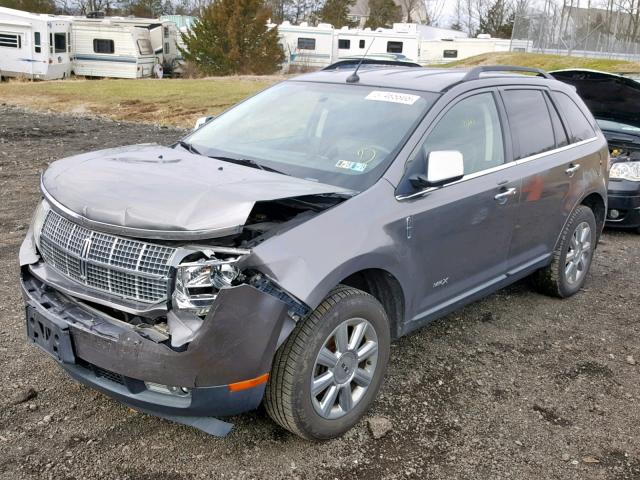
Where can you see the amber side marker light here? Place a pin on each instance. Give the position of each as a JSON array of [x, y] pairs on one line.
[[245, 384]]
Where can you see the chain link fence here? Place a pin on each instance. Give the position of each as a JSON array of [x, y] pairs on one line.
[[569, 29]]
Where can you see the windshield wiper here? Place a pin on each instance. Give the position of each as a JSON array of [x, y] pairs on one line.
[[248, 162], [188, 146]]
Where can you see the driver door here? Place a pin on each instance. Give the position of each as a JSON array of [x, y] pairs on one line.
[[461, 232]]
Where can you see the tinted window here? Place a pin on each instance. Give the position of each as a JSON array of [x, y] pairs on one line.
[[344, 44], [529, 121], [36, 42], [579, 126], [307, 43], [472, 127], [394, 47], [450, 54], [361, 43], [103, 46], [558, 128], [60, 42]]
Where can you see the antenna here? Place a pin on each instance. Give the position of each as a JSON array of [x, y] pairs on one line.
[[354, 78]]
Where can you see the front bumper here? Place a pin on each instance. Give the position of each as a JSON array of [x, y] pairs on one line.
[[624, 204], [236, 343]]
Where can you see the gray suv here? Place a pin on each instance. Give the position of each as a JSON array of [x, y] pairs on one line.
[[273, 254]]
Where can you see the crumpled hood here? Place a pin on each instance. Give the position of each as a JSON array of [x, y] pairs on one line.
[[165, 192]]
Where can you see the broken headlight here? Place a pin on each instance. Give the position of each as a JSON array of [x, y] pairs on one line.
[[625, 171], [198, 283]]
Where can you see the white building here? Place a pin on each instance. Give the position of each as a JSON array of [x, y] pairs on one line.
[[33, 45]]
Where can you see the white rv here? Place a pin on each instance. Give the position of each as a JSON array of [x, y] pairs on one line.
[[34, 46], [102, 48], [450, 49], [306, 46], [402, 41]]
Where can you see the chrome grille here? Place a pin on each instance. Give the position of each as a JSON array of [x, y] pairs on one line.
[[127, 268]]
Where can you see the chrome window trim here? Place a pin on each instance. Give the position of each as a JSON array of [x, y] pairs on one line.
[[135, 232], [488, 171]]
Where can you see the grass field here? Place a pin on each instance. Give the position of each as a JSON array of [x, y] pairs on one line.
[[165, 102], [180, 102]]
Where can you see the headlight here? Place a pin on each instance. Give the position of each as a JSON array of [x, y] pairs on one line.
[[198, 283], [625, 171], [38, 219]]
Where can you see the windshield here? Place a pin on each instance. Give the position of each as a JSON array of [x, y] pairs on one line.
[[338, 134], [621, 127]]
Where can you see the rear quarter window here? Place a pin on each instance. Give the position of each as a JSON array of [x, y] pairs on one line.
[[529, 121], [577, 123]]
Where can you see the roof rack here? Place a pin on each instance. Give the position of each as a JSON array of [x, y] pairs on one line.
[[352, 62], [474, 73]]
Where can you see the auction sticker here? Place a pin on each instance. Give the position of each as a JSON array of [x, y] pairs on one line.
[[393, 97], [355, 166]]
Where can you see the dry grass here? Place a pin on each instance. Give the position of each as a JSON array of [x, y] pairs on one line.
[[180, 102], [547, 62], [166, 102]]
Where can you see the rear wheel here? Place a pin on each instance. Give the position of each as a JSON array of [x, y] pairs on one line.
[[328, 372], [572, 257]]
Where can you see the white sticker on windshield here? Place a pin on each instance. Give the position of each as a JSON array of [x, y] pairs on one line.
[[393, 97], [355, 166]]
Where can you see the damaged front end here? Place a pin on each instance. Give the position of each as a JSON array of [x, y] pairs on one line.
[[172, 328]]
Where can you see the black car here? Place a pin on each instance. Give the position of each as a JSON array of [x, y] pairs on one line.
[[614, 101]]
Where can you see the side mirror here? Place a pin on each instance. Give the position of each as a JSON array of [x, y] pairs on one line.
[[203, 121], [444, 166]]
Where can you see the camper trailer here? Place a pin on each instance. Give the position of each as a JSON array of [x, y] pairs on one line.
[[401, 41], [445, 50], [104, 49], [34, 46], [306, 46]]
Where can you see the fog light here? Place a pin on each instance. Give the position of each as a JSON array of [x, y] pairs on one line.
[[613, 214], [168, 389]]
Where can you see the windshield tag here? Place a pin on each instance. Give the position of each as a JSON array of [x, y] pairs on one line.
[[355, 166], [393, 97]]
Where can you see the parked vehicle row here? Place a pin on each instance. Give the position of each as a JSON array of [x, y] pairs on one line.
[[274, 253]]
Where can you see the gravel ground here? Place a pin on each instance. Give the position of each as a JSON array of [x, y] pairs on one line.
[[517, 386]]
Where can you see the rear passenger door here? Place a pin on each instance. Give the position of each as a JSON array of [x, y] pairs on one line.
[[540, 145]]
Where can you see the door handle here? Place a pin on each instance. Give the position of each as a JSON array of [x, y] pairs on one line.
[[572, 169], [503, 196]]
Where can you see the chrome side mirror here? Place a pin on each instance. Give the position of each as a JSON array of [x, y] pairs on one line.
[[443, 166], [203, 121]]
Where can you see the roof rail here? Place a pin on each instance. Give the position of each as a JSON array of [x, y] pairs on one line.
[[474, 73], [352, 62]]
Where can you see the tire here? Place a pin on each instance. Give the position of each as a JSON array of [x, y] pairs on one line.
[[555, 280], [288, 397]]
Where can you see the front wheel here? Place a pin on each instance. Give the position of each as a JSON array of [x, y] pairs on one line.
[[328, 372], [572, 257]]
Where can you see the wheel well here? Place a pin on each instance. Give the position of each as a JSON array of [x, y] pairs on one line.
[[596, 204], [386, 289]]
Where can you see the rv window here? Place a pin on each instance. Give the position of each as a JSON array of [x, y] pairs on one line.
[[10, 40], [144, 46], [51, 43], [166, 32], [361, 43], [306, 43], [36, 42], [69, 42], [103, 46], [60, 42], [394, 47], [450, 54], [344, 44]]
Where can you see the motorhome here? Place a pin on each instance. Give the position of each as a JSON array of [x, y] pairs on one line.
[[103, 48], [35, 46]]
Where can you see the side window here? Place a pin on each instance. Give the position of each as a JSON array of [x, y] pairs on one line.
[[394, 47], [306, 43], [344, 44], [472, 126], [575, 120], [558, 129], [450, 54], [37, 45], [361, 44], [530, 121], [10, 40], [103, 46]]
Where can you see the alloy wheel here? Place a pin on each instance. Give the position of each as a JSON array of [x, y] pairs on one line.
[[579, 253]]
